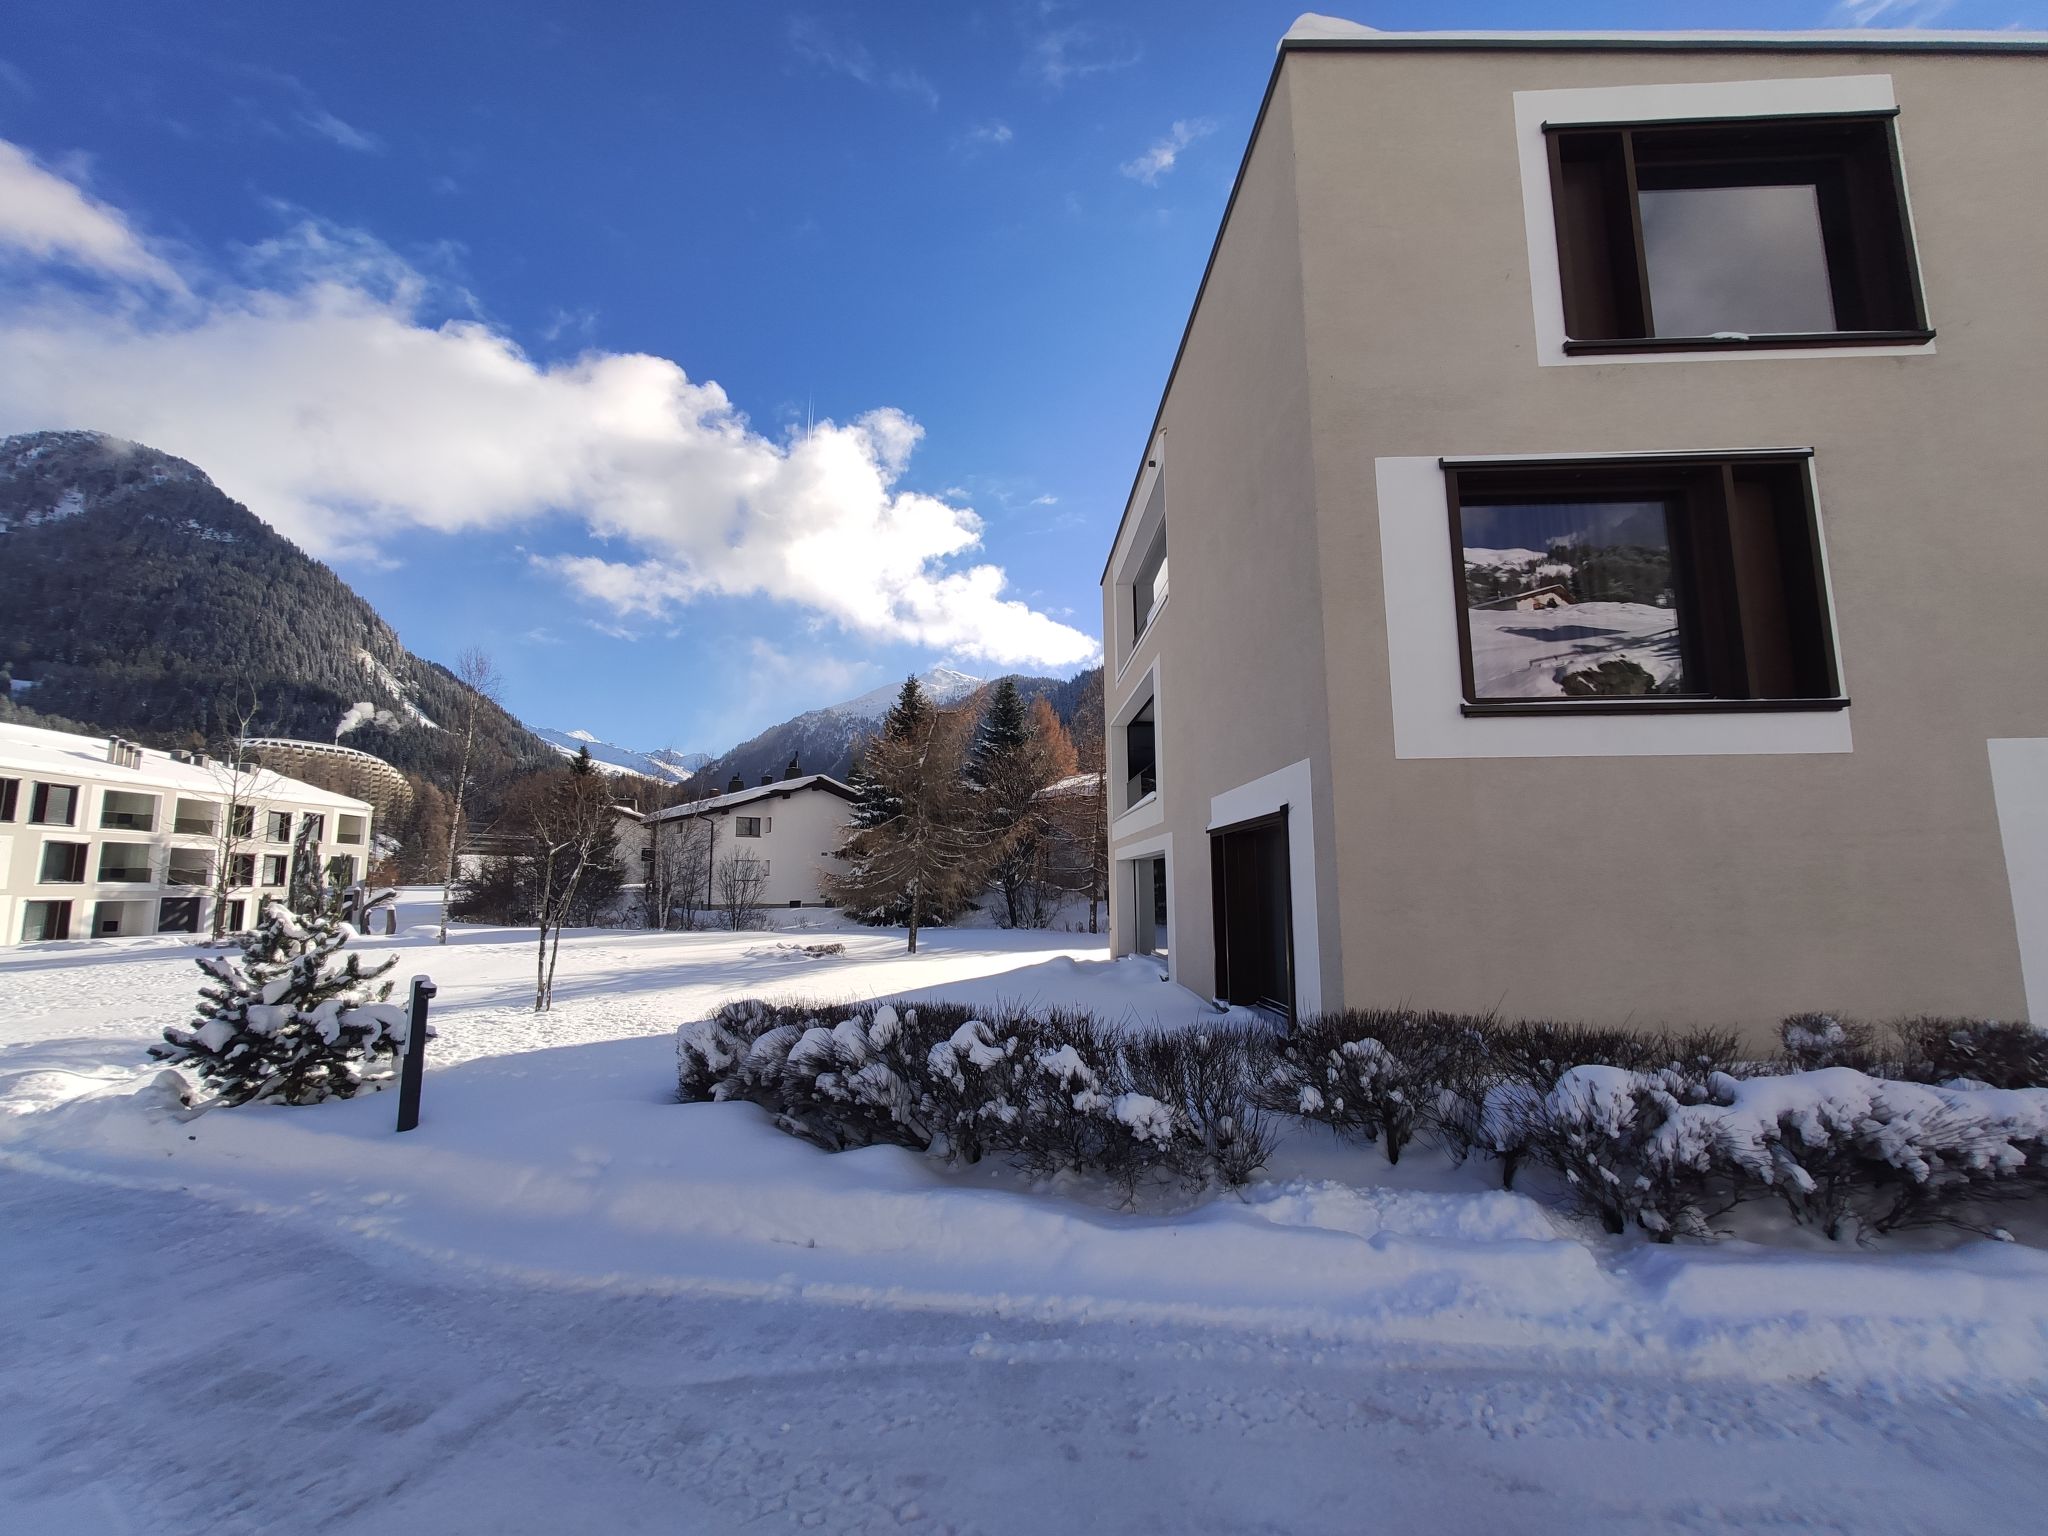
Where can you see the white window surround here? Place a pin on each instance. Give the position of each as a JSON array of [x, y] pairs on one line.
[[1649, 103], [1150, 811], [2019, 789], [1289, 789], [1426, 685], [1130, 554]]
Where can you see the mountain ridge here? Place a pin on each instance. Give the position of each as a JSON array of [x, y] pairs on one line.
[[138, 597]]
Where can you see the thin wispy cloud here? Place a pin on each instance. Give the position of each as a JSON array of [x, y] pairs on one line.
[[308, 113], [1889, 13], [15, 80], [982, 136], [1058, 56], [824, 49], [1165, 152], [334, 391]]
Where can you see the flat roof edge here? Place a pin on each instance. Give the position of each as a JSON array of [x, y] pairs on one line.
[[1674, 42]]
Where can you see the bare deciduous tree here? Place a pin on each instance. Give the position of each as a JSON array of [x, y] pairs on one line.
[[677, 874], [742, 880], [568, 820], [238, 778], [481, 682]]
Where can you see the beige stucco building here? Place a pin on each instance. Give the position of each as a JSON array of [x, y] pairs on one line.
[[100, 838], [1738, 343]]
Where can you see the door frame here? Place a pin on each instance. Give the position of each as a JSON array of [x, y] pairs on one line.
[[1219, 916]]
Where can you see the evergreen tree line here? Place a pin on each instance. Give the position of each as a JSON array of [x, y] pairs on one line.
[[961, 804]]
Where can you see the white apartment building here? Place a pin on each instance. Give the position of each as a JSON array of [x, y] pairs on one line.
[[789, 827], [100, 838]]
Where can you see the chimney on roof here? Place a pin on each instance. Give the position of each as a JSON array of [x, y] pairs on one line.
[[791, 771], [123, 754], [736, 785], [767, 778]]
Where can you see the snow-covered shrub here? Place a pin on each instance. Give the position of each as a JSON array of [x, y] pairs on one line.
[[1518, 1065], [280, 1021], [1056, 1092], [1382, 1075], [1620, 1141], [1997, 1054], [1846, 1151], [1816, 1040], [1212, 1081]]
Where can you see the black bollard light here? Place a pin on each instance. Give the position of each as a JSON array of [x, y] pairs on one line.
[[414, 1067]]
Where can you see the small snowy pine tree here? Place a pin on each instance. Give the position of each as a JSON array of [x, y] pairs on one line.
[[281, 1023]]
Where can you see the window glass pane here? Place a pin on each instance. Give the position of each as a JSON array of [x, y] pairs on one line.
[[1571, 600], [1736, 259]]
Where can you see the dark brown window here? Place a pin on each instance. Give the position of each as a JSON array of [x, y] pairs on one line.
[[10, 794], [746, 826], [277, 827], [54, 805], [1598, 585], [1761, 232]]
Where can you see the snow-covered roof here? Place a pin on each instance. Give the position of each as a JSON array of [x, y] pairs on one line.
[[1314, 28], [32, 750], [823, 781]]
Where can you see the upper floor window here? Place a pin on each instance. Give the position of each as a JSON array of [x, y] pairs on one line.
[[746, 826], [10, 795], [1141, 755], [1148, 585], [277, 827], [1770, 231], [63, 864], [1680, 582], [54, 805]]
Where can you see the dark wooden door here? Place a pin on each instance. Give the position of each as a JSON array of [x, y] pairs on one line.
[[1254, 914]]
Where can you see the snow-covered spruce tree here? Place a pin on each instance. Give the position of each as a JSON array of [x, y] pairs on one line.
[[283, 1021]]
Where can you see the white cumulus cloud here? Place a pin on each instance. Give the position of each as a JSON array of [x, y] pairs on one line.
[[328, 399]]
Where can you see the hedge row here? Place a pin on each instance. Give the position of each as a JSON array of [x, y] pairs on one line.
[[1661, 1131]]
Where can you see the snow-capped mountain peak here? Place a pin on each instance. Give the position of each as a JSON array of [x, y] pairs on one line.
[[663, 766], [942, 685]]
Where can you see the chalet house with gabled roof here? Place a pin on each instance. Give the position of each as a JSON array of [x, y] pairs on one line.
[[790, 826]]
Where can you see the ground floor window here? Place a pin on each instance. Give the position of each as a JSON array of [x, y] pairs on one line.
[[1641, 582], [45, 920], [1254, 904], [234, 910], [178, 914], [1148, 905]]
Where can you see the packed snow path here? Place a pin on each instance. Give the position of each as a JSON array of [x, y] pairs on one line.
[[171, 1366]]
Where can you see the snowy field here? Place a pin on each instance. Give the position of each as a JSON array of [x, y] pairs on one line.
[[567, 1303], [1525, 654]]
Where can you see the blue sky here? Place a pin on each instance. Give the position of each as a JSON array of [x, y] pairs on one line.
[[703, 363]]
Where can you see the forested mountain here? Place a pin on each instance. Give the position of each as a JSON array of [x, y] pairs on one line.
[[823, 740], [136, 597]]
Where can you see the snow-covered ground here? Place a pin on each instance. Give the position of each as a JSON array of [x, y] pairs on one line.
[[568, 1303], [1525, 653]]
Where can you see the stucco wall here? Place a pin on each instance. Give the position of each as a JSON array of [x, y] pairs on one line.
[[1712, 888], [1242, 686]]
